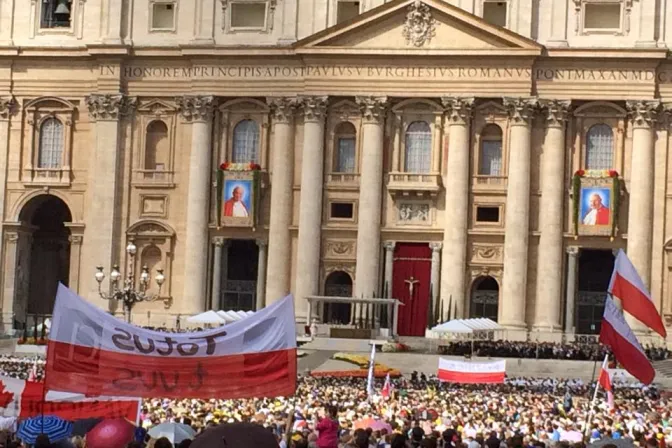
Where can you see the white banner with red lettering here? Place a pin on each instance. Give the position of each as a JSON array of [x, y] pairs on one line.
[[93, 353], [464, 372], [24, 399]]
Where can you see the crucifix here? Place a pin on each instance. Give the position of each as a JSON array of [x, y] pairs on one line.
[[411, 285]]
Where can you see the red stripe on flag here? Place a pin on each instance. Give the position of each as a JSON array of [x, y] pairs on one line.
[[638, 304], [268, 374], [453, 376], [626, 354], [605, 380], [32, 406]]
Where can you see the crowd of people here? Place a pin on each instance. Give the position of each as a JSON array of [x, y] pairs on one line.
[[423, 412], [542, 350]]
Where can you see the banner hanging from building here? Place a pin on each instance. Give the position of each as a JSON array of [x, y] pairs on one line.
[[454, 371], [93, 353], [24, 399], [238, 193]]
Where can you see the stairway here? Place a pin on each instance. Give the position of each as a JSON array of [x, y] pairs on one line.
[[664, 368]]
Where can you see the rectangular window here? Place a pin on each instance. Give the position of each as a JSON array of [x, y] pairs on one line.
[[487, 214], [248, 15], [163, 16], [346, 11], [602, 16], [342, 210], [495, 13], [55, 13]]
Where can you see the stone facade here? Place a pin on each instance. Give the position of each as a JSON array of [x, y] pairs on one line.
[[415, 122]]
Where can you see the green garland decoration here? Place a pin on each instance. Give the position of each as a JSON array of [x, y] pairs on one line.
[[218, 200], [256, 185], [616, 194], [576, 191]]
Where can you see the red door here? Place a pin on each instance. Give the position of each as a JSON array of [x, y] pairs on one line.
[[410, 285]]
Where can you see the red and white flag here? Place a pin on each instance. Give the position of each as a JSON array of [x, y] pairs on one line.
[[387, 387], [25, 399], [616, 333], [471, 372], [93, 353], [627, 286], [605, 381]]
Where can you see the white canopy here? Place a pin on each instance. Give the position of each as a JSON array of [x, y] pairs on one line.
[[234, 316], [209, 317], [467, 326]]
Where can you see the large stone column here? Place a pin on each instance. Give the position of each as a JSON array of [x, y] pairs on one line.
[[261, 274], [370, 196], [517, 217], [7, 107], [217, 273], [389, 267], [435, 274], [570, 301], [547, 310], [102, 218], [310, 207], [640, 211], [197, 110], [282, 178], [456, 180]]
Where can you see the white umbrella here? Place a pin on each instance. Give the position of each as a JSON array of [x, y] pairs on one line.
[[175, 432]]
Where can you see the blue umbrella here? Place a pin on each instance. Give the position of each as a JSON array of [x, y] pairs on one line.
[[54, 427]]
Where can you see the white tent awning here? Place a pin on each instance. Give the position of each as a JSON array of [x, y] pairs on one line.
[[467, 326], [209, 317], [234, 316]]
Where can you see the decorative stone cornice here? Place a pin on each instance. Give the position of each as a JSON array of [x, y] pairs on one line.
[[109, 107], [372, 108], [282, 108], [458, 109], [557, 112], [196, 108], [643, 113], [314, 107], [420, 26], [521, 110], [7, 107]]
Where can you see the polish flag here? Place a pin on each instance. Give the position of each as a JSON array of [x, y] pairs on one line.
[[471, 372], [387, 387], [605, 381], [25, 399], [616, 333], [93, 353], [627, 286]]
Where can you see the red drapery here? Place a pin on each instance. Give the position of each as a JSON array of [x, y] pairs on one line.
[[412, 263]]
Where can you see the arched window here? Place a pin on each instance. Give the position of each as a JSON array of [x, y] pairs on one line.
[[151, 257], [50, 154], [245, 142], [156, 146], [337, 284], [418, 151], [484, 298], [490, 158], [600, 147], [345, 148]]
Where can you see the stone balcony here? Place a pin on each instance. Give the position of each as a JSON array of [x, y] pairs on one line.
[[347, 181], [407, 184], [481, 182]]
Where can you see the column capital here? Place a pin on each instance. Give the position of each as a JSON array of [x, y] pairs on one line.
[[8, 107], [436, 246], [196, 107], [521, 110], [220, 241], [12, 237], [75, 239], [282, 108], [458, 109], [572, 251], [643, 113], [314, 107], [372, 108], [262, 243], [110, 107], [557, 112], [389, 245]]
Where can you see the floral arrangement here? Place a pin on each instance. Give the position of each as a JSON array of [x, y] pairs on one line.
[[229, 166], [379, 370], [576, 192], [395, 347], [32, 341]]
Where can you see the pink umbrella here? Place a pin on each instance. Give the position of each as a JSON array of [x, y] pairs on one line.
[[376, 425]]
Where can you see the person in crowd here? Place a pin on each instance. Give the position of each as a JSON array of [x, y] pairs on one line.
[[328, 428]]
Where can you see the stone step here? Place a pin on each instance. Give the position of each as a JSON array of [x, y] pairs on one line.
[[339, 344]]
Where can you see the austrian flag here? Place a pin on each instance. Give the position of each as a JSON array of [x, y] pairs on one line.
[[93, 353]]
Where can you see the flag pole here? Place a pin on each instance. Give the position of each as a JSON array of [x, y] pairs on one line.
[[589, 420]]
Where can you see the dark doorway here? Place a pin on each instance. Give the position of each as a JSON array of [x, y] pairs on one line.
[[484, 298], [337, 284], [595, 267], [240, 285], [49, 251]]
